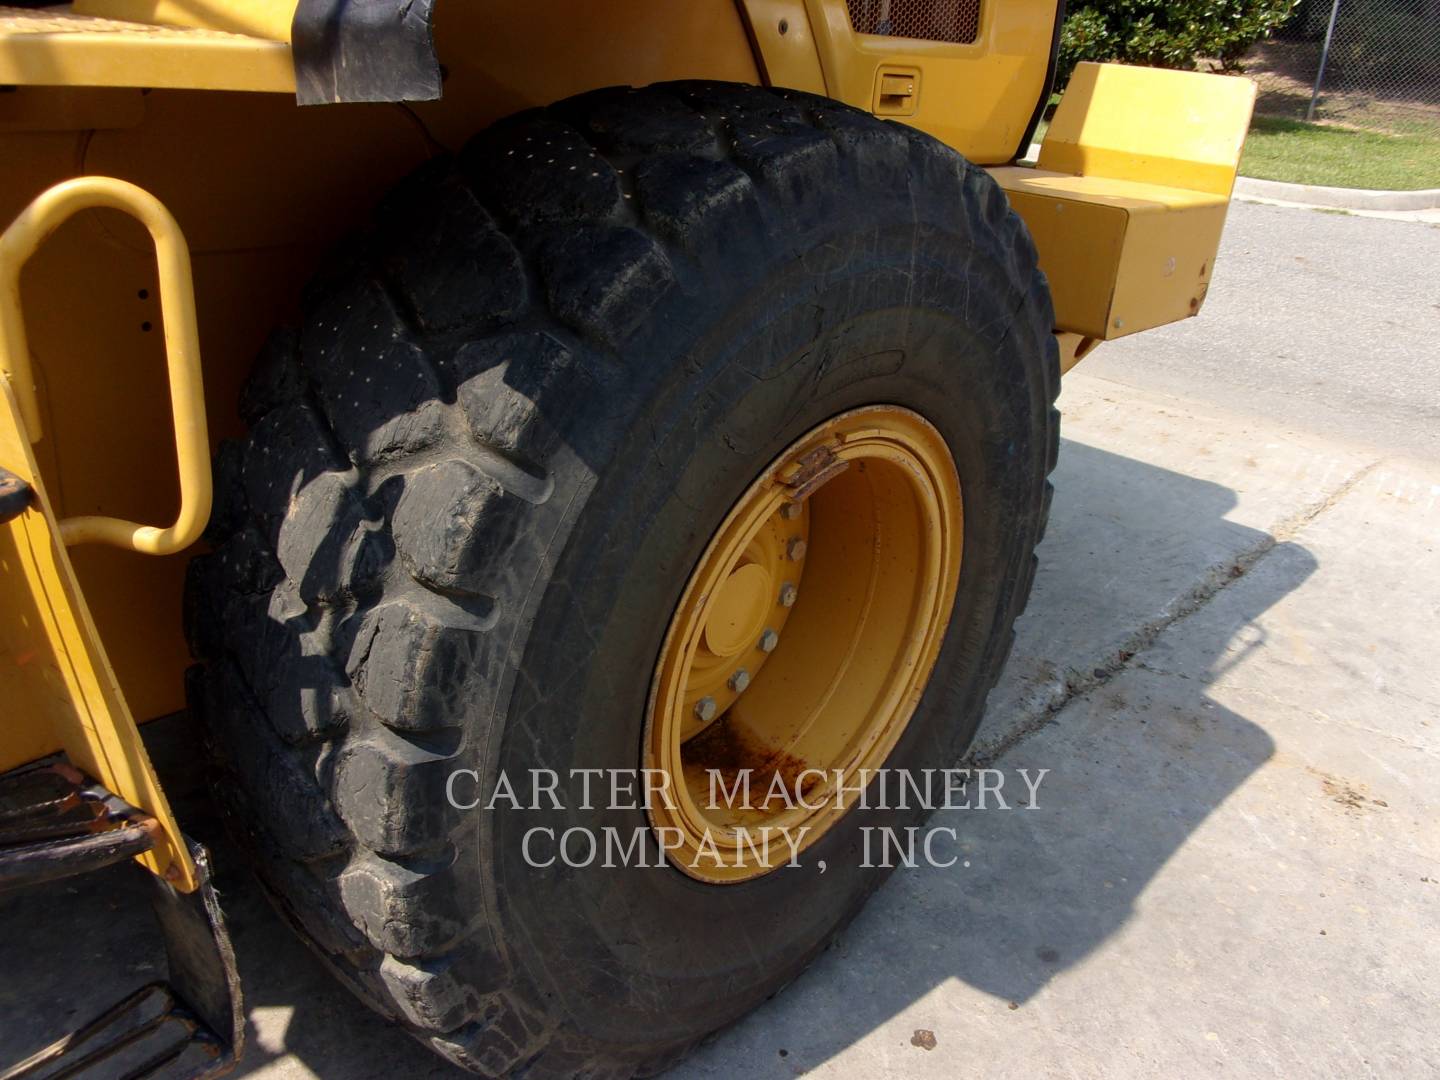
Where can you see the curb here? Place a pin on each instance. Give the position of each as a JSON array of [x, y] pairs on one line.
[[1338, 198], [1428, 217]]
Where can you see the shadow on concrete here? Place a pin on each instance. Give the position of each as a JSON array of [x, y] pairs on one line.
[[1138, 762], [1137, 765]]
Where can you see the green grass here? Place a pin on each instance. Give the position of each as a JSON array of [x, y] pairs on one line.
[[1339, 157]]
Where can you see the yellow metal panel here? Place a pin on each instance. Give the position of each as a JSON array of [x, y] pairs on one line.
[[1104, 190], [978, 98], [1121, 256], [501, 58], [1166, 265], [58, 686], [261, 188], [70, 108], [248, 171], [55, 47], [257, 18], [1180, 129], [1129, 199], [1074, 348], [781, 32], [1079, 243]]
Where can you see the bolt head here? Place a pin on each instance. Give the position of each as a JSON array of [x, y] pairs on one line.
[[739, 681], [795, 549], [788, 595], [790, 511], [705, 709], [768, 640]]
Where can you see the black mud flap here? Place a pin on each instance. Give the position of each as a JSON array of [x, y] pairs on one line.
[[14, 496], [364, 50]]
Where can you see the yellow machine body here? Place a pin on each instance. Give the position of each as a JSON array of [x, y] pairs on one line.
[[192, 102], [1128, 197]]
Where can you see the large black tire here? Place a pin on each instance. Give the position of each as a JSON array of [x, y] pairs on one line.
[[476, 481]]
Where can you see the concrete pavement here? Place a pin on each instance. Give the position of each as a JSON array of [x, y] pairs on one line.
[[1235, 864], [1228, 667]]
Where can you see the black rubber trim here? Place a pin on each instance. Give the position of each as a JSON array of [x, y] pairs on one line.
[[1044, 90], [364, 50], [14, 496]]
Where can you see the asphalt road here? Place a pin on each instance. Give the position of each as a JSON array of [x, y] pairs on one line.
[[1320, 320], [1228, 666]]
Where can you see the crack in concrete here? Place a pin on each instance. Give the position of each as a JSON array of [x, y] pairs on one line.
[[1081, 684]]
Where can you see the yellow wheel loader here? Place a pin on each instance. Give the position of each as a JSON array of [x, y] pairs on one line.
[[491, 425]]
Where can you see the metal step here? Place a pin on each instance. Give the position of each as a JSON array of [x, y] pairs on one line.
[[58, 46], [56, 823], [148, 1034]]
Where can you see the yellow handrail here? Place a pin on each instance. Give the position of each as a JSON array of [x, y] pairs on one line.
[[182, 352]]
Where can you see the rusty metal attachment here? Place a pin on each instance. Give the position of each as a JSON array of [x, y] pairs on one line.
[[811, 472], [54, 823]]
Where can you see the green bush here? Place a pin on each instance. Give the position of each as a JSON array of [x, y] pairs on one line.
[[1167, 33]]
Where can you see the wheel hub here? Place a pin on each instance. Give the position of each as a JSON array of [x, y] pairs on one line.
[[744, 613], [804, 638], [738, 610]]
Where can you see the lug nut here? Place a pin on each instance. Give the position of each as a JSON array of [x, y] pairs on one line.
[[768, 640], [790, 511], [738, 682], [795, 550], [705, 709], [788, 594]]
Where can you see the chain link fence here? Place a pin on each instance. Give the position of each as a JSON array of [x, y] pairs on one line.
[[1371, 64]]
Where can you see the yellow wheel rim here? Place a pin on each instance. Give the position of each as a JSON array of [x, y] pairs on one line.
[[802, 643]]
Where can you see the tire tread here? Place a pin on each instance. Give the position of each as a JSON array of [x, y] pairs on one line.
[[398, 472]]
